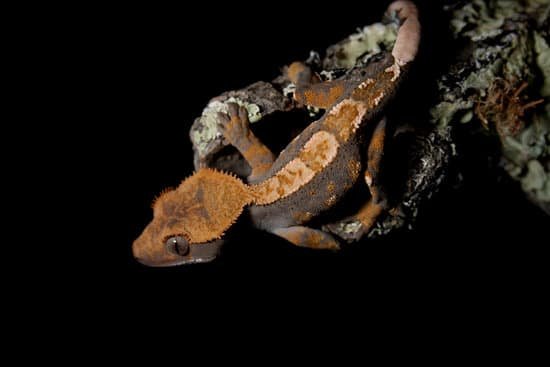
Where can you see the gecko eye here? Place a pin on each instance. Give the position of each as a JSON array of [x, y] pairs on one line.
[[177, 245]]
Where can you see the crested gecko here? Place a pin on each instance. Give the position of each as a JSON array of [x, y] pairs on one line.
[[311, 175]]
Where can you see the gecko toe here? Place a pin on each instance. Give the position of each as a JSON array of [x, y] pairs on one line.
[[347, 230], [223, 119], [243, 113], [232, 109]]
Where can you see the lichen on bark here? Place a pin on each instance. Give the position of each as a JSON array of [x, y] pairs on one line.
[[501, 79]]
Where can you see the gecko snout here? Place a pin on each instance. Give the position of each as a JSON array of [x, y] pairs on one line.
[[149, 250]]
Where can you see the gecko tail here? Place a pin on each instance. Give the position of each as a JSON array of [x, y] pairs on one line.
[[408, 37]]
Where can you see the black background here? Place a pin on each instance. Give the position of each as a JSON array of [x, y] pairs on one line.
[[156, 69]]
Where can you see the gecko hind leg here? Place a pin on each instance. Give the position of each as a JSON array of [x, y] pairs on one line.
[[353, 228], [308, 237], [375, 154], [236, 129]]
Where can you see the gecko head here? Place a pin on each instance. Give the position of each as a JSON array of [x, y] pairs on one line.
[[189, 222]]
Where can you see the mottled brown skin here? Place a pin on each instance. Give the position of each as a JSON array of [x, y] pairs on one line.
[[285, 217], [313, 173], [323, 95]]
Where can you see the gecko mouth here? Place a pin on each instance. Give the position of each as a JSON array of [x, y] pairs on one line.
[[197, 253], [202, 252]]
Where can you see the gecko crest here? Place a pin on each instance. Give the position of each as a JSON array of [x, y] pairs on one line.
[[316, 154], [352, 112]]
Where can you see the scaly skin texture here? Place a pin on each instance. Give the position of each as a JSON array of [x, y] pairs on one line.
[[311, 175]]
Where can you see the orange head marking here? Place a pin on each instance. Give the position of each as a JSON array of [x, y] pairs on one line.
[[189, 221]]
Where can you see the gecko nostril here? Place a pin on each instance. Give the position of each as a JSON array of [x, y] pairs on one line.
[[177, 245]]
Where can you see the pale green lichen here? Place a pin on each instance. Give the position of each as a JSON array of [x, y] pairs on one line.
[[444, 112], [519, 60], [534, 179], [476, 16], [371, 39], [543, 61], [524, 147], [485, 18], [539, 9], [525, 155], [209, 130], [349, 227], [494, 55], [289, 89], [505, 44], [468, 116], [479, 81]]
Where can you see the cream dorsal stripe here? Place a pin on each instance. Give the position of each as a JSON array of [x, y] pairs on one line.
[[316, 154]]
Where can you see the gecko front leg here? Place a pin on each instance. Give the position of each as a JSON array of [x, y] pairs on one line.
[[235, 128]]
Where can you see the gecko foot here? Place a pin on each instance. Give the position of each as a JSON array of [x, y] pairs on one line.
[[349, 229], [234, 124]]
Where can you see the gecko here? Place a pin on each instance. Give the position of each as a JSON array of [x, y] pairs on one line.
[[314, 172]]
